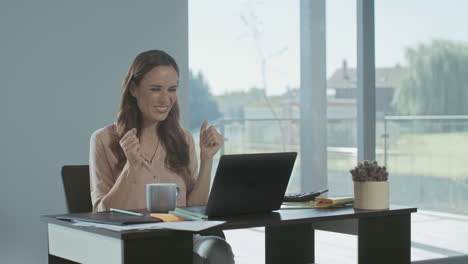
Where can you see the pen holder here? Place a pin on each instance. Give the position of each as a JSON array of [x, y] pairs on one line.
[[371, 195]]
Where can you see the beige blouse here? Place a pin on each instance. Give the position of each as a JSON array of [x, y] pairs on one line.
[[110, 190]]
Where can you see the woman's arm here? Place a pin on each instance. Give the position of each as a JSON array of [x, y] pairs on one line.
[[210, 142], [201, 188], [105, 191]]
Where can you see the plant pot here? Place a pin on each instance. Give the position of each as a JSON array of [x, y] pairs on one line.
[[371, 195]]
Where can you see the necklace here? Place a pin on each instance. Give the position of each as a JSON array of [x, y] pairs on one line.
[[144, 155]]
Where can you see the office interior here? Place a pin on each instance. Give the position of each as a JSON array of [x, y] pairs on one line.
[[62, 63]]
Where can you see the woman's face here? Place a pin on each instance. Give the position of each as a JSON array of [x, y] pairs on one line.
[[156, 93]]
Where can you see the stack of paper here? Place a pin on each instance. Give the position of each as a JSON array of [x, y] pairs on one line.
[[333, 201], [320, 202]]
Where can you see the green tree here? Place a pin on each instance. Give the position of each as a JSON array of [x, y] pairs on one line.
[[202, 104], [437, 80]]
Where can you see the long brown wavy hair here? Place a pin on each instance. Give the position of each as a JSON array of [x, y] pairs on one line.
[[169, 131]]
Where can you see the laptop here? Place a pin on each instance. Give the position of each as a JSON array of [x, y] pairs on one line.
[[248, 184]]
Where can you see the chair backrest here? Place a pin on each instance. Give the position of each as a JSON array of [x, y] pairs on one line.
[[77, 189]]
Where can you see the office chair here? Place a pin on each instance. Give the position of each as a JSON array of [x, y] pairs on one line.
[[77, 188]]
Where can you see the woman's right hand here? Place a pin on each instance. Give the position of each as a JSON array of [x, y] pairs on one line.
[[131, 146]]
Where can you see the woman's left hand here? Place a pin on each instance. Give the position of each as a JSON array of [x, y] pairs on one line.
[[210, 141]]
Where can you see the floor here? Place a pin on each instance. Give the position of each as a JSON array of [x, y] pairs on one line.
[[434, 235]]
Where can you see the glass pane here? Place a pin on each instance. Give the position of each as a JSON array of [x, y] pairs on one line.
[[341, 94], [422, 122], [246, 54]]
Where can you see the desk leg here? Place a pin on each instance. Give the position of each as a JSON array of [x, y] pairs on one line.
[[384, 240], [292, 244], [174, 249]]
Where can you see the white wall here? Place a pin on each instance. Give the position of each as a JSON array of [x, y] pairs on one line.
[[61, 65]]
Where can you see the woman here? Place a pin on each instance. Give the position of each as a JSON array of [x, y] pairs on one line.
[[148, 145]]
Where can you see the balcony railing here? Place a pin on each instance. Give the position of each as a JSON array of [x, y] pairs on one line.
[[425, 155]]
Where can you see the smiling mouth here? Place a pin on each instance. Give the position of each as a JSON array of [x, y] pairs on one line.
[[162, 109]]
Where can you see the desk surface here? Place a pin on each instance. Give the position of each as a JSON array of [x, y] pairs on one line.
[[276, 218]]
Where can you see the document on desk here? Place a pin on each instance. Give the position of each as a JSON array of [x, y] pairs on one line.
[[194, 226]]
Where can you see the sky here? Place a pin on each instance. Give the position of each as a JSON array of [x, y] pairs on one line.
[[223, 48]]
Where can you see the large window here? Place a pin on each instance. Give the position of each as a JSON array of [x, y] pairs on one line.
[[247, 62]]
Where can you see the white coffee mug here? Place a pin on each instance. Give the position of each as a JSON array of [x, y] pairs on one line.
[[161, 197]]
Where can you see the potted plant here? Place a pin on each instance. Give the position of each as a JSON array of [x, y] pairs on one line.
[[371, 191]]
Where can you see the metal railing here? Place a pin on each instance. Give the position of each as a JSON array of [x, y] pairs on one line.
[[425, 154]]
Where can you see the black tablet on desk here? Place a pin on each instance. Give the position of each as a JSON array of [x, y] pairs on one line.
[[111, 218]]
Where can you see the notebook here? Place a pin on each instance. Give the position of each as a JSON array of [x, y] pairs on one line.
[[246, 184], [112, 218]]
